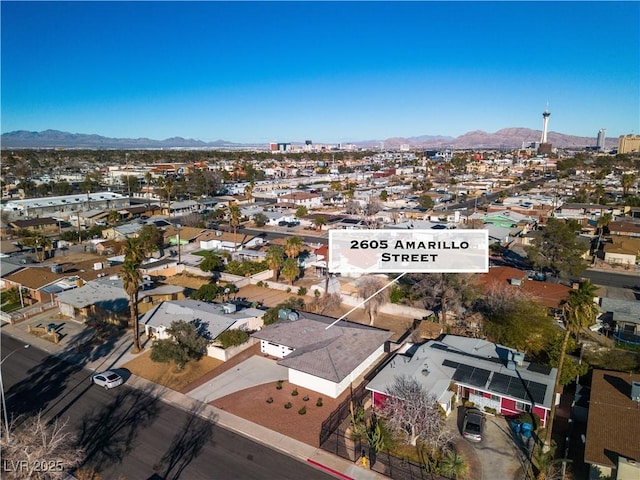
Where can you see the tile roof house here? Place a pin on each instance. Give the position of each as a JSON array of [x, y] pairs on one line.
[[624, 229], [40, 283], [325, 360], [487, 374], [612, 445], [623, 317], [41, 225], [104, 299], [622, 251], [551, 295]]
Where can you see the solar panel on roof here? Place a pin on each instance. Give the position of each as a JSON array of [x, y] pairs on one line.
[[537, 391], [450, 363], [516, 389], [500, 383], [479, 377], [538, 368], [463, 373]]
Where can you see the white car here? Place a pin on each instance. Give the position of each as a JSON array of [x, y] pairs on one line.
[[107, 379]]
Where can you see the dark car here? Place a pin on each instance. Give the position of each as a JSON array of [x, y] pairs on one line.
[[473, 425], [282, 223]]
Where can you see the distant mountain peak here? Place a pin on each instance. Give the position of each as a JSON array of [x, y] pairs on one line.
[[511, 137]]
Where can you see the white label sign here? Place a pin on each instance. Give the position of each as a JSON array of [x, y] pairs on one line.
[[417, 251]]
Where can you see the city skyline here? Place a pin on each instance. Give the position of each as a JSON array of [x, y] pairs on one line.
[[331, 71]]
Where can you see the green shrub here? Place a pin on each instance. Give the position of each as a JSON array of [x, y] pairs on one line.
[[469, 404], [288, 405], [302, 411], [260, 284], [302, 291], [232, 337], [294, 393], [532, 418], [319, 402], [279, 385], [491, 410], [288, 290]]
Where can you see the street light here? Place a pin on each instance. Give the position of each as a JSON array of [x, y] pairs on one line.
[[4, 404]]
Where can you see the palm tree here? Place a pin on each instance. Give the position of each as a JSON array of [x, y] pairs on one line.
[[290, 269], [113, 217], [134, 254], [579, 312], [275, 260], [367, 287], [248, 191], [234, 214], [167, 187], [603, 222], [147, 180], [454, 466], [293, 247], [319, 222], [627, 181]]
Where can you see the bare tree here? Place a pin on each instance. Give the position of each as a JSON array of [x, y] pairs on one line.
[[367, 287], [413, 414], [352, 207], [324, 304], [443, 292], [37, 449]]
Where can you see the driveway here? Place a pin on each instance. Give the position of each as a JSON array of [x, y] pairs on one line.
[[253, 371], [498, 455]]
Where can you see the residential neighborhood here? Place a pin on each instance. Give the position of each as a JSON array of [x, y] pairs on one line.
[[233, 274]]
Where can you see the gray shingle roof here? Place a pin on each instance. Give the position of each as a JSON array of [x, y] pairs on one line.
[[331, 353]]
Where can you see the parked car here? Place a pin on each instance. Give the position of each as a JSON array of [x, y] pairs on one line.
[[473, 425], [108, 379]]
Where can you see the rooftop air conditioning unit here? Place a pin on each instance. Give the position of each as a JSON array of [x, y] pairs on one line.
[[229, 308]]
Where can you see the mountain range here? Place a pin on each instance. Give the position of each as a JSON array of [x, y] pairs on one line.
[[505, 138]]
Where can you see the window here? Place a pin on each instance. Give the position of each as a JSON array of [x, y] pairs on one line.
[[524, 407]]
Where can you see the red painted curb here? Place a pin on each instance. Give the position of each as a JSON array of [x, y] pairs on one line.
[[330, 470]]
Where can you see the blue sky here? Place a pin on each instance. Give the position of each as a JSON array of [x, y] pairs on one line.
[[326, 71]]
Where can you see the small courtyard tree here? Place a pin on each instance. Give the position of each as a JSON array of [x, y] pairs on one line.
[[187, 341], [412, 414]]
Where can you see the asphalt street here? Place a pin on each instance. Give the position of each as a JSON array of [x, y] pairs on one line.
[[130, 433]]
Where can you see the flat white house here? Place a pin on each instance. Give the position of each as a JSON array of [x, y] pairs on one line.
[[228, 241], [309, 200], [215, 317], [491, 376], [325, 360]]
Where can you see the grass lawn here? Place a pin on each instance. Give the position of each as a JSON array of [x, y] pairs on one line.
[[166, 374]]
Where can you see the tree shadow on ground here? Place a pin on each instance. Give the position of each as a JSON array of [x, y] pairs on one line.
[[196, 432], [109, 434], [52, 378]]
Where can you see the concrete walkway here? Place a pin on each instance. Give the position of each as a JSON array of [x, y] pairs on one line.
[[120, 355], [253, 371]]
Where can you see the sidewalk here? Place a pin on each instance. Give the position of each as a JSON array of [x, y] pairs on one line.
[[120, 355]]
